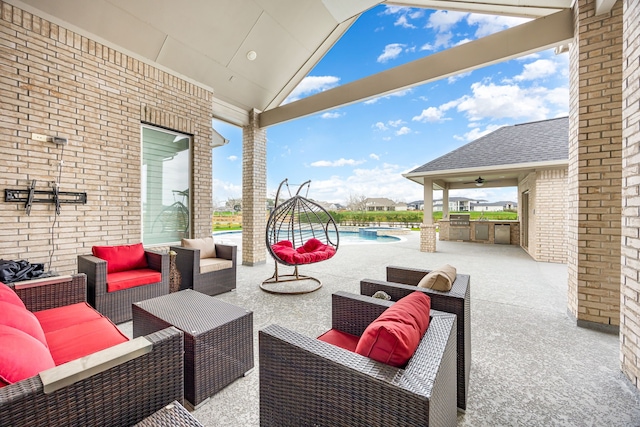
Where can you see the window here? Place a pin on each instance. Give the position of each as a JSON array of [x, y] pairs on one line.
[[166, 160]]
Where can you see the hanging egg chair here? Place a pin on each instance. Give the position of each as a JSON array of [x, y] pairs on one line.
[[299, 231]]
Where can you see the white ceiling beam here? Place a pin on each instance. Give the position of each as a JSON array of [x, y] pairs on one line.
[[542, 33], [525, 9], [604, 6]]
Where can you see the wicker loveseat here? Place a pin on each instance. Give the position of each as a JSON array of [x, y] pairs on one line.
[[116, 386], [305, 381], [136, 275], [205, 266], [401, 281]]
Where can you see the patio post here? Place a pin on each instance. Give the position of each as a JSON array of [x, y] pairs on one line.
[[254, 191], [445, 203], [428, 228]]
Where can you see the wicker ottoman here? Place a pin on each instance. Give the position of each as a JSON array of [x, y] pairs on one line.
[[218, 338]]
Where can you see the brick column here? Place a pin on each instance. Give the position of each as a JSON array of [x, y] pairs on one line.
[[254, 191], [595, 167], [428, 228], [630, 288]]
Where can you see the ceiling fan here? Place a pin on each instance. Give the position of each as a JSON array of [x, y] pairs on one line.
[[478, 182]]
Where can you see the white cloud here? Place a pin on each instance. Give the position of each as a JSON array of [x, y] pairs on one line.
[[443, 20], [224, 190], [427, 46], [537, 70], [399, 93], [396, 123], [403, 22], [403, 131], [232, 158], [391, 51], [489, 24], [463, 41], [336, 163], [380, 126], [381, 181], [310, 85], [430, 115], [331, 115], [374, 156], [510, 101]]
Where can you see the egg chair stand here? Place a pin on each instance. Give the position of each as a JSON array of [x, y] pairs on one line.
[[299, 232]]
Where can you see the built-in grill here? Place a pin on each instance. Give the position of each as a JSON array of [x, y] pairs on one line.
[[459, 220]]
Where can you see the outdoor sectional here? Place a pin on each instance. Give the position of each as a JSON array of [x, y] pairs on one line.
[[117, 386], [306, 381]]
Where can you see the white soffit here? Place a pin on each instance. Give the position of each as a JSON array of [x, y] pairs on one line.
[[521, 8], [347, 9], [604, 6]]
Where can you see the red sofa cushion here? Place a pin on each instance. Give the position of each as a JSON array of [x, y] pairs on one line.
[[9, 295], [121, 258], [83, 339], [340, 339], [131, 279], [22, 356], [57, 318], [21, 319], [395, 335]]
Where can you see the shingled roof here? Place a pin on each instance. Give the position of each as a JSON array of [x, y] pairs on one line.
[[534, 142]]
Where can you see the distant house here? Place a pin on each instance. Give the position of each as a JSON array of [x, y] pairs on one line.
[[383, 204], [494, 206], [456, 204]]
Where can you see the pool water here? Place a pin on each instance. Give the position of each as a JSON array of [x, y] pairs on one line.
[[346, 237]]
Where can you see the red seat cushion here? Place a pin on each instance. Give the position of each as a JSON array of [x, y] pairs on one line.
[[9, 295], [340, 339], [131, 279], [121, 258], [68, 315], [83, 339], [21, 319], [312, 251], [22, 356], [395, 335]]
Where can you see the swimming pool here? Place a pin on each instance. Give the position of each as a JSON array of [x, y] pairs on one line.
[[363, 236]]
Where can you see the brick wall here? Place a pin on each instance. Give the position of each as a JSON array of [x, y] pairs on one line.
[[551, 215], [630, 289], [56, 82], [595, 166]]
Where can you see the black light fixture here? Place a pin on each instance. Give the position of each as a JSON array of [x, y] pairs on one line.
[[479, 182]]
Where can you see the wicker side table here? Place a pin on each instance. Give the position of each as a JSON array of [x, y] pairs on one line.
[[218, 338], [172, 415]]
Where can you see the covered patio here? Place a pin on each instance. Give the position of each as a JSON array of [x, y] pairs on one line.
[[531, 365]]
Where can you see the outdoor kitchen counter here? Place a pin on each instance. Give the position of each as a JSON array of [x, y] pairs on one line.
[[481, 231]]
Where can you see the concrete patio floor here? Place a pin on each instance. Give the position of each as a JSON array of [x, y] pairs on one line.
[[531, 365]]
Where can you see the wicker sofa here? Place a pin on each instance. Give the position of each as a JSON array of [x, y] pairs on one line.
[[221, 278], [116, 304], [401, 281], [305, 381], [117, 386]]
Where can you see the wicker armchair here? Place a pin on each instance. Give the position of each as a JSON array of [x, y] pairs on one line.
[[304, 381], [113, 387], [213, 282], [117, 305], [402, 281]]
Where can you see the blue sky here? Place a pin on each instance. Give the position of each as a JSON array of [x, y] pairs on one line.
[[364, 148]]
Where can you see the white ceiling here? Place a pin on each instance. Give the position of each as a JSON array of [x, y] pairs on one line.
[[207, 41]]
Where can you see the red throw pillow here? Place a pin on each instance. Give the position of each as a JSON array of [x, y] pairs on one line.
[[311, 245], [9, 295], [21, 319], [395, 335], [121, 258], [22, 356]]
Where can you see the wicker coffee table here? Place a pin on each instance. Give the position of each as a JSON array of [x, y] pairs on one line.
[[218, 338]]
